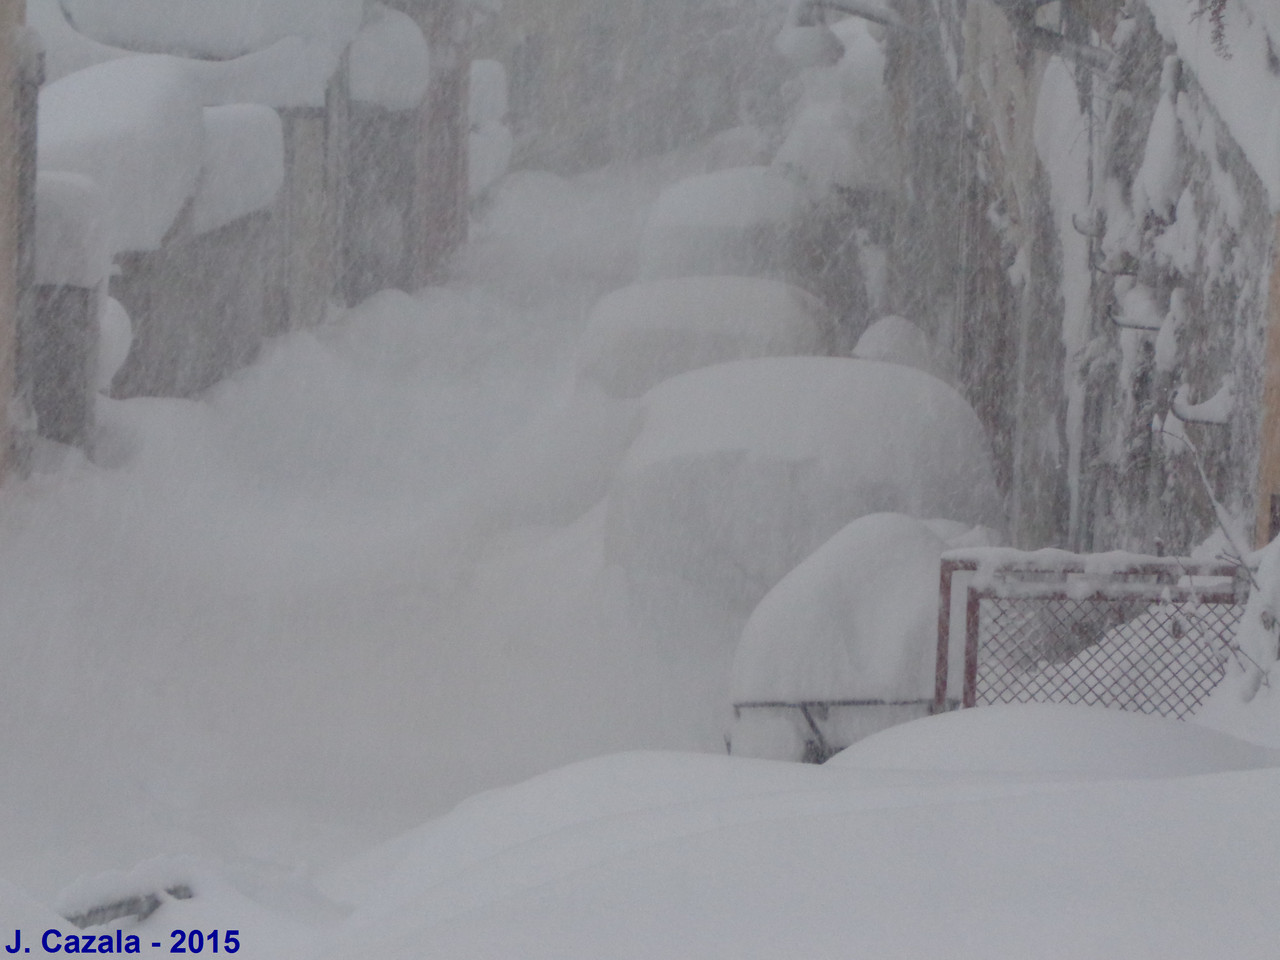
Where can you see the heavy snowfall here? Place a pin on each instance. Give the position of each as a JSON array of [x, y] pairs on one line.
[[419, 633]]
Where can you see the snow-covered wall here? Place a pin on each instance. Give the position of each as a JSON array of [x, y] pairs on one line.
[[1092, 234]]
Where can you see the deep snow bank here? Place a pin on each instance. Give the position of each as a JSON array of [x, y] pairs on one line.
[[1055, 738]]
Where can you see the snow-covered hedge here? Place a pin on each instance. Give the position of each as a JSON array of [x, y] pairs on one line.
[[744, 469], [734, 221], [645, 333], [857, 619]]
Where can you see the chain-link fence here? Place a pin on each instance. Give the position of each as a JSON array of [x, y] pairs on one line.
[[1150, 635]]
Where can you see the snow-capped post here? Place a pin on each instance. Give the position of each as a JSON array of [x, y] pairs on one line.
[[12, 204], [439, 220]]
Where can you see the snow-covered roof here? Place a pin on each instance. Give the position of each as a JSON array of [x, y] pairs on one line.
[[1236, 74]]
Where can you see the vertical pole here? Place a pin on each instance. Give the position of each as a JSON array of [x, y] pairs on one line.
[[942, 664], [439, 221], [1268, 507], [970, 698], [11, 16]]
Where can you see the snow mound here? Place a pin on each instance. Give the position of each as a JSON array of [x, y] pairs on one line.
[[823, 149], [115, 338], [643, 334], [1055, 738], [388, 61], [20, 912], [243, 164], [895, 339], [491, 142], [136, 128], [857, 619], [294, 72], [66, 49], [217, 30], [733, 221], [744, 469], [489, 150], [487, 93]]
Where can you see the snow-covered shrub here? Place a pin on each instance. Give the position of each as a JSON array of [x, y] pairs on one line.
[[743, 469], [856, 620], [734, 221], [645, 333], [895, 339]]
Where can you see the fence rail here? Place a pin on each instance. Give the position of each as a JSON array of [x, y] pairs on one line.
[[1145, 634]]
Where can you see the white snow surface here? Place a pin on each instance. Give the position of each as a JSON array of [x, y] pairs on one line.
[[388, 61], [823, 149], [115, 337], [661, 855], [293, 72], [895, 339], [487, 92], [842, 134], [267, 631], [1055, 739], [645, 333], [732, 221], [66, 49], [489, 150], [135, 128], [491, 143], [857, 619], [743, 469], [71, 231], [216, 30], [243, 166]]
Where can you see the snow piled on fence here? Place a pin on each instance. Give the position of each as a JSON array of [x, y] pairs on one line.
[[388, 61], [227, 28], [135, 128], [857, 619], [243, 166]]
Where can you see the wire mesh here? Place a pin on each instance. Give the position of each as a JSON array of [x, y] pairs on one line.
[[1143, 639]]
